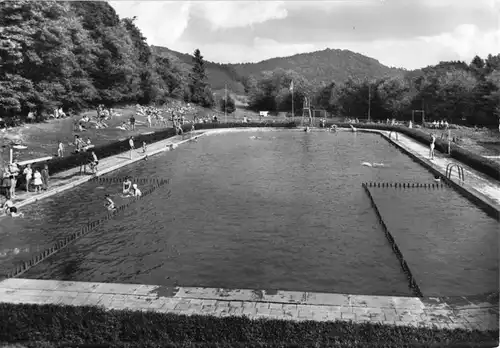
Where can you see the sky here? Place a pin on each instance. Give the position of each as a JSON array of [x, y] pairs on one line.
[[401, 33]]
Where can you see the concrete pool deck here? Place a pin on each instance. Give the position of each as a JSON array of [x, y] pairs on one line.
[[474, 313], [451, 312]]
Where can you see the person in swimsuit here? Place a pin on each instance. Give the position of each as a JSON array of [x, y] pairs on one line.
[[109, 204], [137, 192], [431, 146], [10, 209], [127, 184]]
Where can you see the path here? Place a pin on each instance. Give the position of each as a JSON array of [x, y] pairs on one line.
[[483, 185], [444, 313]]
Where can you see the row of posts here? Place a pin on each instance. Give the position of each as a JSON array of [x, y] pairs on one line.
[[412, 283], [405, 185], [61, 244]]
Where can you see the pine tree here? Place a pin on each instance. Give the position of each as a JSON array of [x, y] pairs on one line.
[[198, 79]]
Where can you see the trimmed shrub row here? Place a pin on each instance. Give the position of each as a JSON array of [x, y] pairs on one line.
[[477, 162], [78, 325], [57, 165]]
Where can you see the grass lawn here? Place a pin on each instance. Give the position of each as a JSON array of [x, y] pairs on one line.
[[57, 326]]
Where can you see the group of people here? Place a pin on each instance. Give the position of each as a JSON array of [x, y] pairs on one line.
[[128, 190], [37, 178], [443, 124]]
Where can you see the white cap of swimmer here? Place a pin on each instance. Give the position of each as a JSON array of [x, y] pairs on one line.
[[134, 186]]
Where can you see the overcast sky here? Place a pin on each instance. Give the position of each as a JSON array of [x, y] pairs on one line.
[[401, 33]]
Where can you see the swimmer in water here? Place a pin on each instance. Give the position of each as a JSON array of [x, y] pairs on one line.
[[127, 184], [11, 210], [437, 178], [137, 192], [353, 129], [109, 204]]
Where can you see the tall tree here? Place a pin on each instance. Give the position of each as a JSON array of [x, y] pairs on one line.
[[199, 93]]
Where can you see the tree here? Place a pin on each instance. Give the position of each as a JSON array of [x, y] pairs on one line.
[[394, 95], [197, 80], [227, 104]]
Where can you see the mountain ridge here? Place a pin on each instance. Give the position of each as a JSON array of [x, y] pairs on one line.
[[319, 67]]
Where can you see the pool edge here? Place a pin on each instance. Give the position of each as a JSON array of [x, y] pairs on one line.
[[468, 313]]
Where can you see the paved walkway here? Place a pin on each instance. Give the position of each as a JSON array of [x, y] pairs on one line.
[[68, 179], [450, 313]]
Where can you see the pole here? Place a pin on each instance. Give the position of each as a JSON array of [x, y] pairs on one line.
[[449, 141], [369, 101], [293, 112], [225, 103], [11, 155]]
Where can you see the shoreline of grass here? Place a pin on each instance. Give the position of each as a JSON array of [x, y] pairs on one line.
[[59, 325]]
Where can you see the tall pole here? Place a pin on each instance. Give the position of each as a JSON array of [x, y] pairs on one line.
[[293, 112], [225, 103], [369, 101]]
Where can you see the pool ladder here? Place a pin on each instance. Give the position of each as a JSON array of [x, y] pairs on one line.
[[460, 171]]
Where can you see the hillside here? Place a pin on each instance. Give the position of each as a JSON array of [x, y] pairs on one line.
[[323, 66], [218, 74], [317, 67]]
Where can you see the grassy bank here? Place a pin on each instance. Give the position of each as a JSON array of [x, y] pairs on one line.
[[54, 326]]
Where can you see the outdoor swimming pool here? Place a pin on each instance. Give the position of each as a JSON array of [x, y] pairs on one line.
[[283, 211]]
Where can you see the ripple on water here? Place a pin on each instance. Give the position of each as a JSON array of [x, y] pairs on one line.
[[286, 213]]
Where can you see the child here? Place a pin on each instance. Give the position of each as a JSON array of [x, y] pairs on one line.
[[144, 147], [131, 144], [137, 192], [37, 181]]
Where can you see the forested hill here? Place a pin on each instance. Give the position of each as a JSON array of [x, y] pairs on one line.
[[218, 74], [320, 66], [323, 66]]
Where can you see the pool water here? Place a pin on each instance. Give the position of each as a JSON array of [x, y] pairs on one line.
[[284, 210]]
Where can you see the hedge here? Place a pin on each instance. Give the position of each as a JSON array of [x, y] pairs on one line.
[[65, 324], [61, 164], [477, 162]]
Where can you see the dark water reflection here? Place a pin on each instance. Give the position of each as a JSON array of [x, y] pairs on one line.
[[284, 211]]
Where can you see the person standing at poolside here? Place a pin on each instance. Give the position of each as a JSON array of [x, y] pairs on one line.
[[28, 174], [45, 177], [132, 122], [431, 147], [14, 171], [132, 146], [60, 149]]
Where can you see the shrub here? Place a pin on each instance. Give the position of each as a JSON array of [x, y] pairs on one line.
[[63, 324]]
